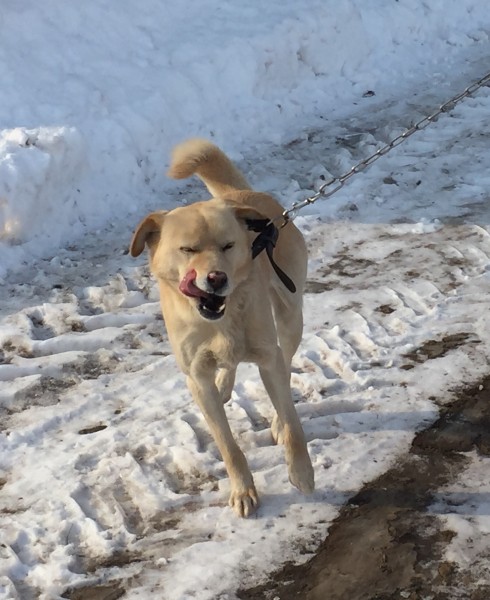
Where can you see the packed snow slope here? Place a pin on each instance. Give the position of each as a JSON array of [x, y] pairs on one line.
[[94, 95]]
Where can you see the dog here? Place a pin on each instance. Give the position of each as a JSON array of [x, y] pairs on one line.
[[221, 306]]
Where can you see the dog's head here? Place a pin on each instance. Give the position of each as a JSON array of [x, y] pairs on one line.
[[203, 249]]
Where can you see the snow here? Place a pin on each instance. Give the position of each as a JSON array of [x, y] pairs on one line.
[[108, 471], [93, 99]]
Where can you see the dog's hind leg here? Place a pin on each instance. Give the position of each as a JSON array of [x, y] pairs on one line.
[[243, 496], [289, 332], [288, 317], [289, 324], [276, 381]]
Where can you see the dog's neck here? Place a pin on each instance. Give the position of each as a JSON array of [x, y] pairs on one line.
[[266, 240]]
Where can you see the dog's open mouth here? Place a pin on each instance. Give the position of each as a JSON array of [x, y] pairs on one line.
[[210, 306]]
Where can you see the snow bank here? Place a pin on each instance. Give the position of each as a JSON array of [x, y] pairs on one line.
[[94, 95]]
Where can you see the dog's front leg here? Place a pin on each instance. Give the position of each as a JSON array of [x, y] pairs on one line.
[[276, 381], [225, 380], [243, 497]]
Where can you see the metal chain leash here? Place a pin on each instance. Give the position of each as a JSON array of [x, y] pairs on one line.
[[339, 182]]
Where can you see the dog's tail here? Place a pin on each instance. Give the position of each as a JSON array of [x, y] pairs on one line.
[[209, 163]]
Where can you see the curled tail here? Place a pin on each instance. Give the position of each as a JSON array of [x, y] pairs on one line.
[[209, 163]]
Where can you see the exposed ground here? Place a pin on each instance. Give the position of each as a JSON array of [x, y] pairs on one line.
[[385, 544]]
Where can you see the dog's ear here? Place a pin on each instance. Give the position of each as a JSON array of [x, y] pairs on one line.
[[146, 231], [248, 213]]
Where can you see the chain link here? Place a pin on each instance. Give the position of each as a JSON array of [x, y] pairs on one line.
[[339, 182]]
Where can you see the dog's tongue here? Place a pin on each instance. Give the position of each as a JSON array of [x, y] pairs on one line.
[[189, 288]]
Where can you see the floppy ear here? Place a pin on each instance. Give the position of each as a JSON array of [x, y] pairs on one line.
[[248, 213], [150, 225]]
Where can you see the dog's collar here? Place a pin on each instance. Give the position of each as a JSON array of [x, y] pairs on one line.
[[266, 240]]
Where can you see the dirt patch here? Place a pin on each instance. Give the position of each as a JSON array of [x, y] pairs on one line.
[[438, 348], [93, 366], [99, 592], [93, 429], [385, 309], [318, 287], [48, 391], [384, 545], [344, 265]]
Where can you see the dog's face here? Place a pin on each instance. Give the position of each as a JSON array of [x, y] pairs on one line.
[[203, 249]]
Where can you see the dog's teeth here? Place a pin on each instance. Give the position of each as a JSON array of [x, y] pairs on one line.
[[221, 308]]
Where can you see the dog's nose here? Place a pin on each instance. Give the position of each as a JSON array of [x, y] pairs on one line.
[[217, 280]]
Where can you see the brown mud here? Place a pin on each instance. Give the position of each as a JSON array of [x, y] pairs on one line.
[[385, 544]]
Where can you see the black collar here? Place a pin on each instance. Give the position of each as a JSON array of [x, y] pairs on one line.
[[266, 240]]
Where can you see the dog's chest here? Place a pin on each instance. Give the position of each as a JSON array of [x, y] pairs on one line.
[[231, 349], [219, 349]]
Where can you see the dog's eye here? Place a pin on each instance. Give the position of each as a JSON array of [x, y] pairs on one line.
[[188, 250], [228, 246]]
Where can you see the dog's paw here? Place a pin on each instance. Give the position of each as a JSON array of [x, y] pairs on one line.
[[277, 431], [302, 476], [244, 502]]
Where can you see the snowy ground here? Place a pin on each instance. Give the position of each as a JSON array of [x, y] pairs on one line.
[[108, 472]]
